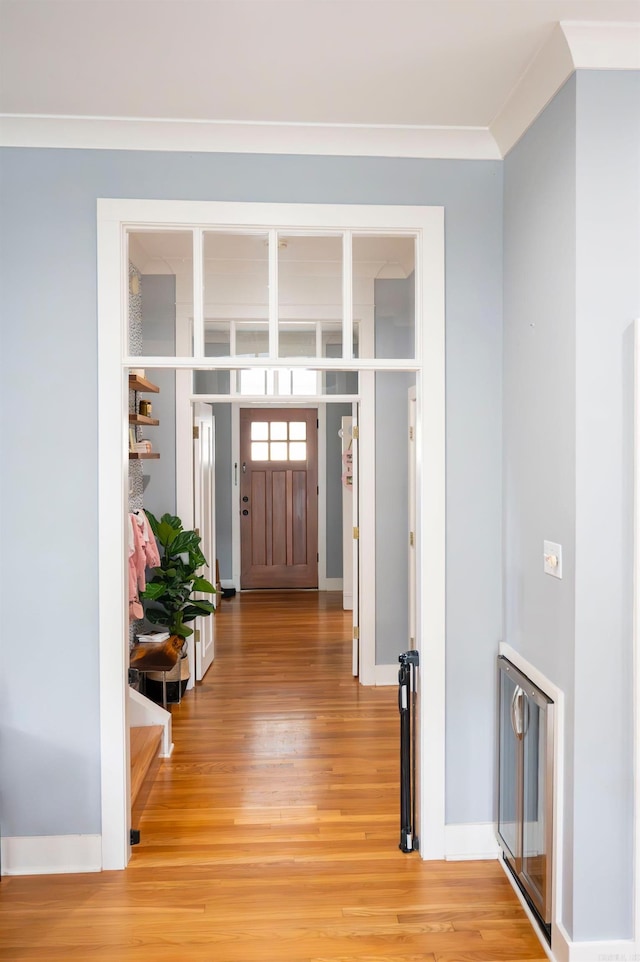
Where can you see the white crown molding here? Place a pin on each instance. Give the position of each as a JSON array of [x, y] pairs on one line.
[[544, 76], [121, 133], [571, 46], [603, 46]]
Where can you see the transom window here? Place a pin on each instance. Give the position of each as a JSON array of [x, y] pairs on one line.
[[274, 295]]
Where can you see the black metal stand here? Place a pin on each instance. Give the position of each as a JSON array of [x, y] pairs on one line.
[[409, 661]]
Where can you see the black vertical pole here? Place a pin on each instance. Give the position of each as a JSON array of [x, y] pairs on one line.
[[408, 660]]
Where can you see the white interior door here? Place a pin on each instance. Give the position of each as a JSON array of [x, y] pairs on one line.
[[347, 515], [205, 523], [355, 543]]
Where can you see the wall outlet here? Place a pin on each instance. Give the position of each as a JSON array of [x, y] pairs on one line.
[[553, 559]]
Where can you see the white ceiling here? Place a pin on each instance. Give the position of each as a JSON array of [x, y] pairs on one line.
[[442, 63]]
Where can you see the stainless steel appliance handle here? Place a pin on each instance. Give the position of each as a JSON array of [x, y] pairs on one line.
[[517, 700], [524, 713]]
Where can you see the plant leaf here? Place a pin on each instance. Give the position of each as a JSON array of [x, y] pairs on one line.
[[185, 541], [201, 584], [172, 521], [153, 591], [197, 608], [166, 533]]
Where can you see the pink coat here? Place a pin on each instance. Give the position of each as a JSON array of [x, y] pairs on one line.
[[143, 553]]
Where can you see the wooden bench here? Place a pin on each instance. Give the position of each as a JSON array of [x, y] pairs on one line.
[[144, 749]]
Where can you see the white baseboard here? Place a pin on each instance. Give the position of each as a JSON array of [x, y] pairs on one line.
[[386, 675], [347, 601], [330, 584], [51, 854], [564, 950], [470, 842]]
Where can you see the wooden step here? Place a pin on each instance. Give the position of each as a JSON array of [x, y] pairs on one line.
[[144, 747]]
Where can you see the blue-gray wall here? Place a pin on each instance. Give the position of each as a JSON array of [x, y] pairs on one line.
[[571, 283], [49, 774], [539, 404], [608, 300], [224, 490]]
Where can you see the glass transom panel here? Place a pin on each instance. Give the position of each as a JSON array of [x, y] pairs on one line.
[[274, 294]]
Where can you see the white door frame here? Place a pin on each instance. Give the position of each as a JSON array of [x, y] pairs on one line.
[[205, 421], [324, 584], [427, 223]]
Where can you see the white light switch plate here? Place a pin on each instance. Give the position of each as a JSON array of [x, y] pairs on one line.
[[553, 559]]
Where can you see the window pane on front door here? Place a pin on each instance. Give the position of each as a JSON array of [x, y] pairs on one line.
[[297, 430], [278, 440]]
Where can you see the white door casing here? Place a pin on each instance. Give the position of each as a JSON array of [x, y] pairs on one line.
[[347, 518], [355, 541], [427, 224], [205, 521]]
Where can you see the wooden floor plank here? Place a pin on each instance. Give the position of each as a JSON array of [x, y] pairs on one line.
[[271, 834]]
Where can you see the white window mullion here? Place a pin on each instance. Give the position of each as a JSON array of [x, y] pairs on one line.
[[234, 375], [347, 295], [418, 317], [273, 293], [319, 329], [198, 293]]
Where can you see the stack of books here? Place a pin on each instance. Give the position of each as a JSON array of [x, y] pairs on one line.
[[143, 446]]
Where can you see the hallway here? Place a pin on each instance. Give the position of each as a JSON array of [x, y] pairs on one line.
[[271, 835]]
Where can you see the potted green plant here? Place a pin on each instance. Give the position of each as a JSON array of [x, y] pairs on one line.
[[168, 597]]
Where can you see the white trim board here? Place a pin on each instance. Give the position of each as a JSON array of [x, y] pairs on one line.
[[636, 627], [470, 842], [211, 136], [386, 675], [331, 584], [51, 854], [563, 949], [572, 45]]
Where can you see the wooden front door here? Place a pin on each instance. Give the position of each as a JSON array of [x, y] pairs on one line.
[[279, 498]]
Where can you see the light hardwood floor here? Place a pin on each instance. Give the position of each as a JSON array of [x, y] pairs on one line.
[[271, 835]]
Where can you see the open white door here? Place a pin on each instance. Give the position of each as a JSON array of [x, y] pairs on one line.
[[205, 523], [355, 542], [347, 514]]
